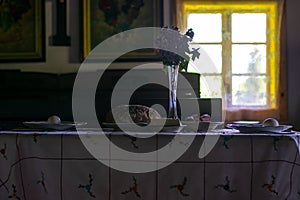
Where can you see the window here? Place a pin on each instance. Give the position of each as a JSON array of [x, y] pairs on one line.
[[242, 41]]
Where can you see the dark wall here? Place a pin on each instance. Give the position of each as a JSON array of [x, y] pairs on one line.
[[36, 96], [293, 61]]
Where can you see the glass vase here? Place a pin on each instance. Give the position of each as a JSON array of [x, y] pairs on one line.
[[173, 79]]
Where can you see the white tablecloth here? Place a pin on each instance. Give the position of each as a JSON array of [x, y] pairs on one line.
[[56, 165]]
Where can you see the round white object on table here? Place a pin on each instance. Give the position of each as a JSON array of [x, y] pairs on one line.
[[54, 120], [270, 122], [205, 118]]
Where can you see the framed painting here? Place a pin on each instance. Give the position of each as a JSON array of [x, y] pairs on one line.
[[22, 30], [104, 18]]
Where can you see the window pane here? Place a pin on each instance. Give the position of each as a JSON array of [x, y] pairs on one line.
[[248, 59], [207, 27], [249, 27], [210, 60], [211, 86], [249, 90]]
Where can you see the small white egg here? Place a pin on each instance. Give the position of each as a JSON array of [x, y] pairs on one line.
[[54, 119], [270, 122]]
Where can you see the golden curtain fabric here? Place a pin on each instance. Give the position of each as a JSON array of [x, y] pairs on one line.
[[280, 110]]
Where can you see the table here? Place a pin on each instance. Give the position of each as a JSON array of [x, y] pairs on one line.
[[56, 165]]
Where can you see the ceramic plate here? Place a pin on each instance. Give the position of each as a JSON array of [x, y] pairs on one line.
[[143, 127], [259, 128], [201, 126], [45, 125], [246, 123]]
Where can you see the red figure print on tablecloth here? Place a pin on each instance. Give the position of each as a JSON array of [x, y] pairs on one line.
[[133, 188], [13, 194], [133, 141], [275, 142], [88, 187], [35, 136], [226, 139], [3, 151], [270, 186], [42, 182], [181, 187], [226, 186]]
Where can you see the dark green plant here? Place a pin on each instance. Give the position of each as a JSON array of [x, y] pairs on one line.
[[173, 40]]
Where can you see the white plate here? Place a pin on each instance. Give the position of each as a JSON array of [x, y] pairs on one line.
[[260, 128], [201, 126], [143, 127], [246, 122], [46, 125]]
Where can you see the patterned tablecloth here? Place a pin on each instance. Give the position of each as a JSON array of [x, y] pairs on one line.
[[56, 165]]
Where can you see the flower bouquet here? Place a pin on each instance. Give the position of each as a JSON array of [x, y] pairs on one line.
[[177, 45], [175, 54]]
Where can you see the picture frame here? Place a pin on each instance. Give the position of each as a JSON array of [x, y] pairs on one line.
[[22, 34], [105, 18]]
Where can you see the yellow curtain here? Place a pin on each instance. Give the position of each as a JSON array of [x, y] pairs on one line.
[[280, 110], [253, 113]]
